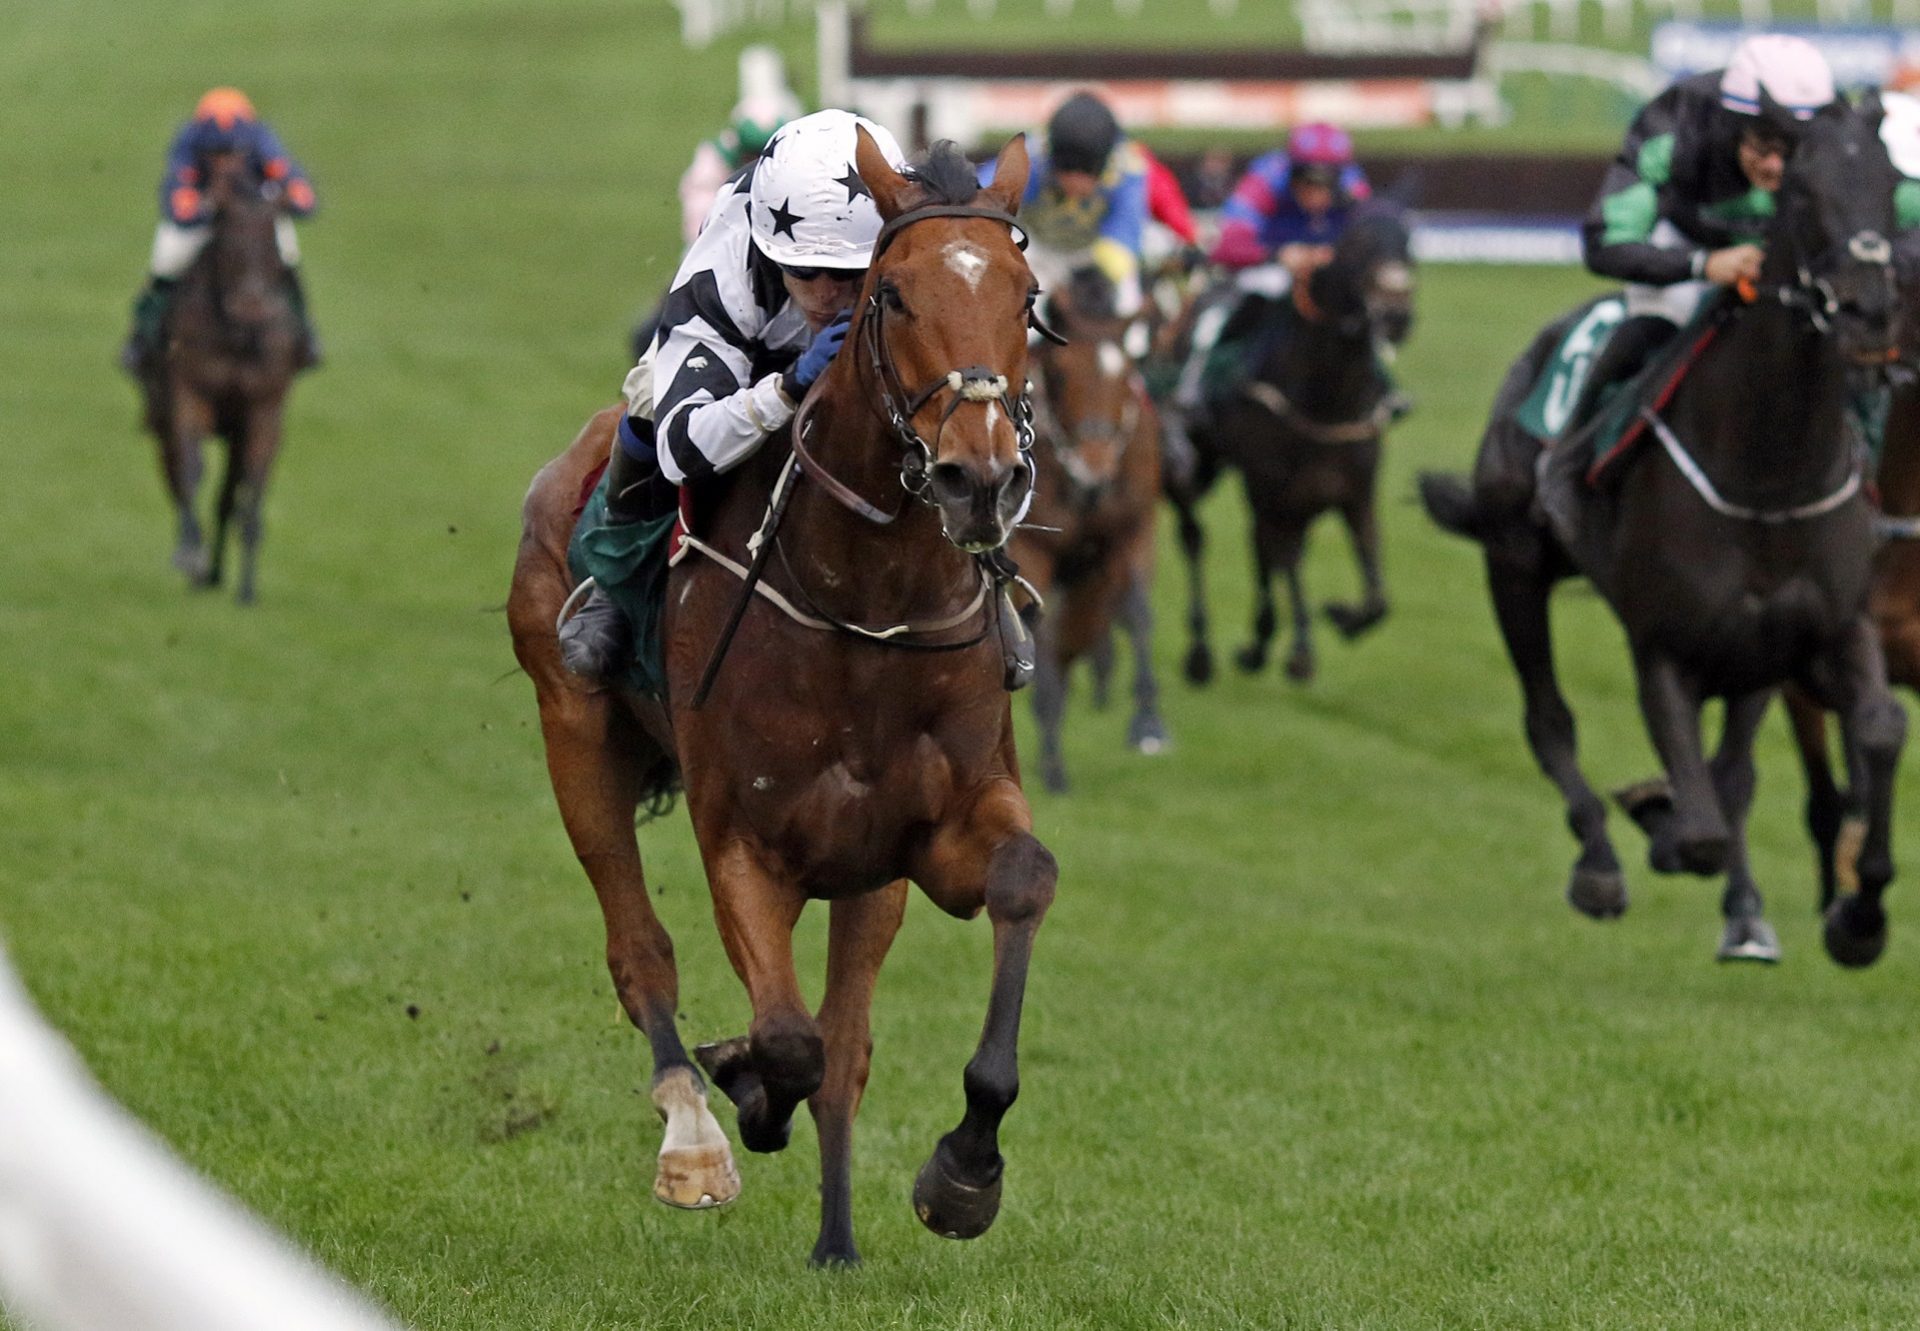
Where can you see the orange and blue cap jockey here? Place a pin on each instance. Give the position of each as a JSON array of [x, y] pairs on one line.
[[224, 121]]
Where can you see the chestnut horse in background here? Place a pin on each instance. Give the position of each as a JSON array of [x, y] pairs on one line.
[[1834, 815], [828, 763], [231, 355], [1087, 545]]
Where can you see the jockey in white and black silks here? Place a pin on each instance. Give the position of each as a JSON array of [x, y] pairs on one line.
[[224, 122], [756, 313]]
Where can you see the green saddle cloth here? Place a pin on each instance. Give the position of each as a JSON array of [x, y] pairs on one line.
[[628, 561], [1546, 413]]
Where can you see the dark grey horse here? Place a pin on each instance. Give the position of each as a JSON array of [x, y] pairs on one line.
[[232, 352], [1305, 433], [1748, 573]]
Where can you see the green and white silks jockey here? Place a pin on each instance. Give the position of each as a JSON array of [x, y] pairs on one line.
[[1684, 206]]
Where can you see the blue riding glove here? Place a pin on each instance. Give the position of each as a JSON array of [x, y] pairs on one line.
[[819, 354]]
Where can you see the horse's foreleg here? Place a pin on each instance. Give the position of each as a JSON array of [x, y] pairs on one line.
[[1874, 725], [781, 1060], [593, 758], [1269, 554], [223, 515], [180, 459], [861, 931], [1826, 810], [1364, 531], [262, 442], [991, 859], [1193, 544], [1747, 936], [1520, 589], [1670, 703]]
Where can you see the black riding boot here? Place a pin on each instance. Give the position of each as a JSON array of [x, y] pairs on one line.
[[597, 642], [1625, 355], [147, 341], [306, 351]]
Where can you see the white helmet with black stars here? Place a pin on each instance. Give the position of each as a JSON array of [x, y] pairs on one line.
[[808, 206]]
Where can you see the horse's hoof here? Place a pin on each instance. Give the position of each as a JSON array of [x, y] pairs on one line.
[[729, 1066], [950, 1208], [696, 1178], [1704, 856], [1599, 894], [1199, 664], [1147, 734], [834, 1258], [1252, 660], [696, 1170], [1748, 938], [1353, 620], [1856, 932], [194, 563], [1301, 668]]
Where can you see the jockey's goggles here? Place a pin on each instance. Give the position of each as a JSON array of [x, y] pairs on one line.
[[801, 273]]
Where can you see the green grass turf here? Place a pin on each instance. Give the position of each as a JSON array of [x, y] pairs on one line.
[[1312, 1040]]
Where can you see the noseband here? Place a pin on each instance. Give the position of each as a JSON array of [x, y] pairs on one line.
[[968, 383]]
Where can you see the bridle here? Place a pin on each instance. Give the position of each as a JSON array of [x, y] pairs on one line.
[[1066, 444], [899, 404], [1822, 296]]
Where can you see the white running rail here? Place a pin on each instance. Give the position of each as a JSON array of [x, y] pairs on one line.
[[103, 1229]]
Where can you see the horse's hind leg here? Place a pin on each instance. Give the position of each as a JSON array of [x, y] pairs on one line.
[[593, 759], [1747, 936], [181, 463], [1354, 620], [991, 859], [1874, 727], [262, 442], [858, 937], [1520, 586], [1826, 810]]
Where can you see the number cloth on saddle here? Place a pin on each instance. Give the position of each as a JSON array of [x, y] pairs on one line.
[[1613, 422], [628, 561]]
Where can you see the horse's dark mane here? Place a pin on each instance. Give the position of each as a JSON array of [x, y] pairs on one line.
[[946, 175]]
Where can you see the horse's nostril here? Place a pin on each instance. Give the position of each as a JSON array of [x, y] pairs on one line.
[[950, 482]]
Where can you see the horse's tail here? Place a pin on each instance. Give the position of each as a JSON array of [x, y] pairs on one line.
[[1449, 501], [1794, 617]]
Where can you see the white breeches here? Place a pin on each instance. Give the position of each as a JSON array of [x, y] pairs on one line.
[[1676, 303], [175, 247]]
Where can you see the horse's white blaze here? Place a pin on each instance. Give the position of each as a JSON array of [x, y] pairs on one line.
[[993, 416], [696, 1164], [1113, 361], [968, 262]]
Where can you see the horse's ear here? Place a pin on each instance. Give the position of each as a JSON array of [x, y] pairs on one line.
[[890, 188], [1871, 107], [1010, 169]]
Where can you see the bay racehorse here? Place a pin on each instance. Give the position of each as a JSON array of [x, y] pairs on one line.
[[1305, 434], [232, 351], [1087, 545], [830, 761], [1833, 816], [1735, 547]]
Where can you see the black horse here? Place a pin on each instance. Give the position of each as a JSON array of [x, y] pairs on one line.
[[1305, 432], [1736, 550]]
